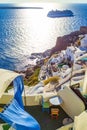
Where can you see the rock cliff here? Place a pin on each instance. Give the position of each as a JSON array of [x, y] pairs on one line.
[[67, 40]]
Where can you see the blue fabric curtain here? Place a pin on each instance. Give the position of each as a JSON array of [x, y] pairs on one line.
[[18, 118], [18, 89], [14, 113]]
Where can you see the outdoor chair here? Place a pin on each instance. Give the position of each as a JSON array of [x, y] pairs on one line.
[[45, 106], [6, 126], [54, 113]]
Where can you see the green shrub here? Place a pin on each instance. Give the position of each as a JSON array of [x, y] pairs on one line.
[[33, 79], [25, 81], [54, 79], [36, 73]]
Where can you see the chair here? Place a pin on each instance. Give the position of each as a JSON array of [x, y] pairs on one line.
[[6, 126], [54, 113], [45, 106]]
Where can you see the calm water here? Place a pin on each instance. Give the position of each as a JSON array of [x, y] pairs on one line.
[[24, 31]]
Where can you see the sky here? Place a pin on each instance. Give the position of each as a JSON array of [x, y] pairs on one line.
[[42, 1]]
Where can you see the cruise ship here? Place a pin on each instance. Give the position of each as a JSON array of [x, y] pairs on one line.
[[60, 13]]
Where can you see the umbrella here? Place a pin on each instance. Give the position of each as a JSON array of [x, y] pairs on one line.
[[80, 122], [55, 100]]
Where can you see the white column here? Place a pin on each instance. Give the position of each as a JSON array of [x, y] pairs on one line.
[[85, 83]]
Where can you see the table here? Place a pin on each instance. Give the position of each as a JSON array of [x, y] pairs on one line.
[[56, 100]]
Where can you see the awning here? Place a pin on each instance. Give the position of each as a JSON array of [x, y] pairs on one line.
[[80, 122], [55, 100], [6, 77]]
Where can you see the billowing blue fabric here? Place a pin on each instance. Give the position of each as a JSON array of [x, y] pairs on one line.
[[18, 118], [18, 89], [15, 115]]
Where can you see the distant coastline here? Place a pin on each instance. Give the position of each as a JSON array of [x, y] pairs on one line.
[[13, 7]]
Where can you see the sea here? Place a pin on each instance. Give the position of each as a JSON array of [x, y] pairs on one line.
[[26, 29]]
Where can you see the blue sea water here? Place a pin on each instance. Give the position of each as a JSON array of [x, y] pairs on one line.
[[27, 30]]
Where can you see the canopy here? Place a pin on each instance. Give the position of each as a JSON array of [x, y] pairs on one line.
[[6, 77], [80, 122], [14, 113]]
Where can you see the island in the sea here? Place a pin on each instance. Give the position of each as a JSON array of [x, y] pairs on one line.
[[60, 13]]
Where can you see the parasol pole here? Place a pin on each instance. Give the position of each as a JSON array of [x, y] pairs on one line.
[[72, 67], [24, 97], [85, 83], [71, 73]]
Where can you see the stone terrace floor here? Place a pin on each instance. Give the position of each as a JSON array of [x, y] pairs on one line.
[[44, 119]]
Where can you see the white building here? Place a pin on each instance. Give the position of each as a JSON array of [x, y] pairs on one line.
[[70, 52], [78, 52], [84, 41]]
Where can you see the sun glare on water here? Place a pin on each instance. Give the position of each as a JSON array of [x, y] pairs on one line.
[[38, 34]]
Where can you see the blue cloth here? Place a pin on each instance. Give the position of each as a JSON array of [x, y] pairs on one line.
[[18, 118], [18, 89], [14, 114]]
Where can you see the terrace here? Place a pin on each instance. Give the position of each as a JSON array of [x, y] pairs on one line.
[[44, 119]]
